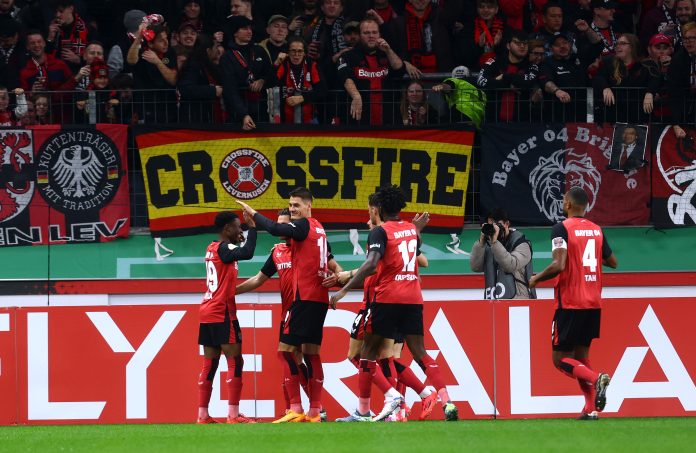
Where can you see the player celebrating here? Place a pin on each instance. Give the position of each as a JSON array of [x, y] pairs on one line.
[[386, 374], [219, 328], [397, 303], [304, 322], [576, 243], [280, 261]]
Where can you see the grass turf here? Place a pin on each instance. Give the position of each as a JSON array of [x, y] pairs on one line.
[[567, 435]]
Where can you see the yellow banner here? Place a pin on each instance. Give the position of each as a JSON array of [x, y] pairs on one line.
[[190, 175]]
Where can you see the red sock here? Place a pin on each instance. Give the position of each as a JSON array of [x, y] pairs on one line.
[[235, 365], [285, 396], [401, 388], [365, 373], [387, 367], [578, 370], [304, 378], [316, 382], [205, 381], [292, 379], [355, 361], [432, 370], [407, 378], [588, 390]]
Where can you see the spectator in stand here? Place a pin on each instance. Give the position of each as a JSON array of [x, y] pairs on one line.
[[351, 34], [9, 10], [414, 108], [685, 11], [553, 23], [384, 10], [626, 83], [29, 118], [526, 15], [245, 69], [660, 50], [603, 24], [42, 104], [661, 19], [11, 117], [200, 84], [507, 80], [421, 39], [480, 39], [123, 108], [244, 8], [277, 41], [582, 10], [325, 38], [301, 85], [43, 71], [366, 72], [563, 76], [537, 51], [12, 59], [192, 13], [68, 34], [154, 70], [99, 83], [131, 21], [304, 17], [94, 51], [185, 38], [681, 81]]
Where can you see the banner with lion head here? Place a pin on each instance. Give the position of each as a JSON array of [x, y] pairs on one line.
[[526, 169]]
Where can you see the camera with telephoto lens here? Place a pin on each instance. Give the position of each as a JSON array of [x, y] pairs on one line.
[[488, 231]]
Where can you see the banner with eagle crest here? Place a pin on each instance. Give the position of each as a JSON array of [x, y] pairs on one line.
[[63, 185], [526, 169]]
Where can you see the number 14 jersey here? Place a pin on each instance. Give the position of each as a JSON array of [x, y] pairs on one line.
[[397, 280], [579, 286]]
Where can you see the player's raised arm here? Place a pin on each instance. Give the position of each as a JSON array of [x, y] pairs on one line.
[[229, 252]]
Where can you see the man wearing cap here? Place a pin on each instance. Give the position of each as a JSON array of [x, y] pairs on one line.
[[245, 69], [117, 55], [11, 58], [276, 43], [564, 76], [661, 19], [603, 25]]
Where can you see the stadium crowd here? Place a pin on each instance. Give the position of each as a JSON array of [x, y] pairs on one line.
[[394, 62]]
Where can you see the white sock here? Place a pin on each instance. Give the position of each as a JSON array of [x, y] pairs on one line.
[[392, 393], [425, 393]]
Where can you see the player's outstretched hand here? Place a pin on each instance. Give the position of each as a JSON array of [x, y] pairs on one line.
[[421, 220], [247, 209], [249, 220], [343, 277], [330, 281], [335, 298]]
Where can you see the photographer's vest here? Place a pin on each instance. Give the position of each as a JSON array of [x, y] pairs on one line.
[[500, 284]]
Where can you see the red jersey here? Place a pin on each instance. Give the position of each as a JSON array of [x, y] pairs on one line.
[[397, 279], [282, 260], [579, 286], [221, 282], [310, 259]]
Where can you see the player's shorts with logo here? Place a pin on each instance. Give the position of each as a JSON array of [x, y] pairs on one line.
[[217, 333], [574, 327], [394, 320], [304, 323], [357, 332]]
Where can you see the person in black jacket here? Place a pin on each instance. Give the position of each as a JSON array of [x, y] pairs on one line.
[[626, 83], [507, 81], [681, 84], [200, 84], [245, 69], [563, 76]]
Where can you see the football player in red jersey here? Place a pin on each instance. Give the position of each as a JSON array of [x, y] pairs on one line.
[[389, 369], [576, 244], [219, 328], [397, 302], [280, 261], [304, 322]]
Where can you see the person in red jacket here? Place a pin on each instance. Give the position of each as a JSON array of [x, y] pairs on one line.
[[578, 250], [527, 15], [44, 72]]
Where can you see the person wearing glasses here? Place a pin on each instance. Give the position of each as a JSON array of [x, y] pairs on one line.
[[626, 84], [681, 81], [301, 84], [508, 80]]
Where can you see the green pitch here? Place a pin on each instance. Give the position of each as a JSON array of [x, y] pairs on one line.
[[567, 435]]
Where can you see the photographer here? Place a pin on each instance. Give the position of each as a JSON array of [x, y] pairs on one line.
[[504, 256]]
